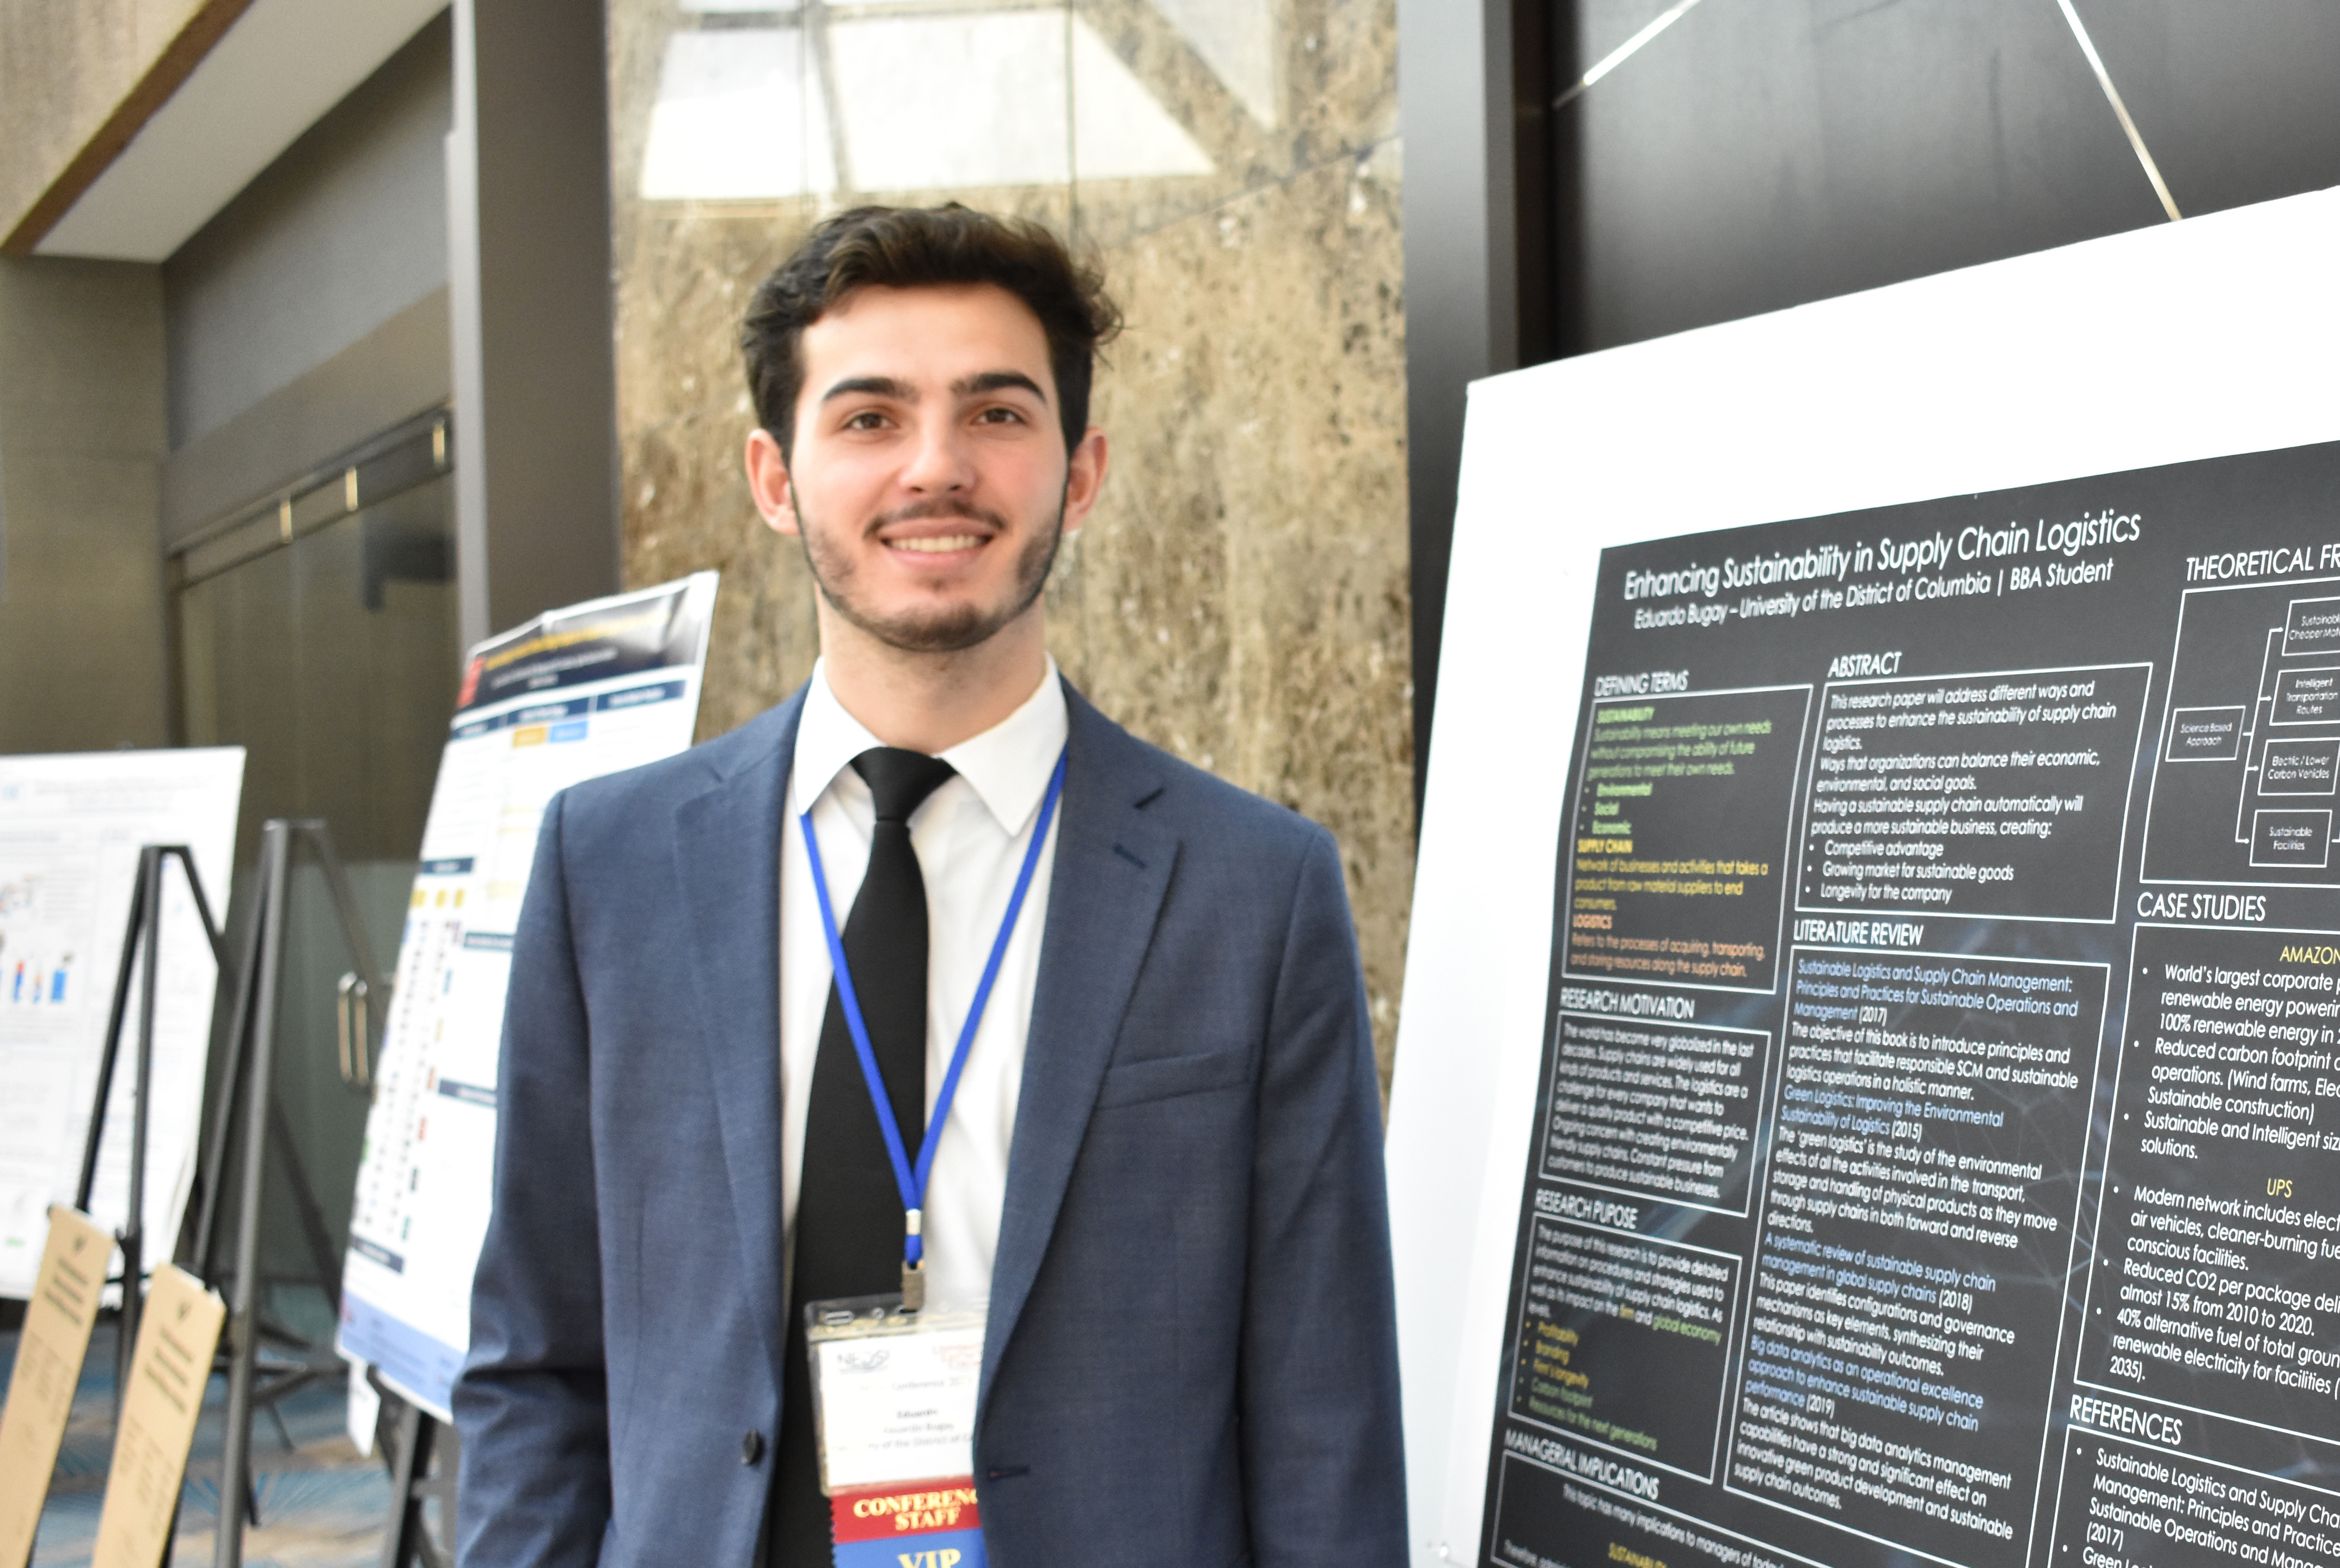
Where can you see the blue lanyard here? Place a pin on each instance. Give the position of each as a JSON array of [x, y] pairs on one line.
[[913, 1183]]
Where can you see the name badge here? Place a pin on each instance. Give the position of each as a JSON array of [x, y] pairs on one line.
[[894, 1403]]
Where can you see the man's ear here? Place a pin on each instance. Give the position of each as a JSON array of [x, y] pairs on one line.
[[1083, 478], [767, 482]]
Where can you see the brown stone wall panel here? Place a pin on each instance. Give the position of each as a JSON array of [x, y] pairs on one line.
[[1333, 95], [1239, 596]]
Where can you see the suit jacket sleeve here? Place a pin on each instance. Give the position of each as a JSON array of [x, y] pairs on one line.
[[1324, 1460], [531, 1406]]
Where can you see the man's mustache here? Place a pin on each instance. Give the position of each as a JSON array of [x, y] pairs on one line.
[[940, 506]]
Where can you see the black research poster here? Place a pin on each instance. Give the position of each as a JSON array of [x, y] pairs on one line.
[[1937, 1152]]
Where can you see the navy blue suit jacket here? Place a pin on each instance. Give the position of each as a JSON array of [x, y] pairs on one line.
[[1191, 1356]]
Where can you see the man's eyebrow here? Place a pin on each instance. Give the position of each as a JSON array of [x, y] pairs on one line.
[[996, 381], [873, 386]]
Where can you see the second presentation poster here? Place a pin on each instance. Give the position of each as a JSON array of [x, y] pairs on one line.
[[1937, 1153], [573, 695]]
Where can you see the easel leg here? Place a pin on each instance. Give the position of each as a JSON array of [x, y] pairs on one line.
[[231, 1097], [133, 1224], [242, 1324], [407, 1543], [137, 930]]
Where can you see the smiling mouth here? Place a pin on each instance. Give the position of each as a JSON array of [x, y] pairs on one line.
[[937, 545]]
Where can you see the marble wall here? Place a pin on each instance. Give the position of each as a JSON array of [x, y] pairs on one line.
[[1239, 595]]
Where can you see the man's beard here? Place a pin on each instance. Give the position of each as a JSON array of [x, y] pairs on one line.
[[953, 628]]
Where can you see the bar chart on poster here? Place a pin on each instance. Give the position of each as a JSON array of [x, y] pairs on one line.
[[1937, 1142], [573, 695]]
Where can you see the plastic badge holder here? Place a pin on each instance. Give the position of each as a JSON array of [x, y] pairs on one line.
[[893, 1391]]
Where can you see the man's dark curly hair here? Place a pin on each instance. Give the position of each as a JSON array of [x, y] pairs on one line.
[[919, 247]]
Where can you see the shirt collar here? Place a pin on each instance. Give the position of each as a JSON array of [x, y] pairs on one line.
[[1007, 766]]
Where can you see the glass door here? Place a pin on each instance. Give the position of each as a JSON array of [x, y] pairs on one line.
[[318, 632]]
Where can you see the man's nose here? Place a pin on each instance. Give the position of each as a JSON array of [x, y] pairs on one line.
[[939, 460]]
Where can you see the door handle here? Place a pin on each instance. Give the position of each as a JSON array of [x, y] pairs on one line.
[[353, 1029]]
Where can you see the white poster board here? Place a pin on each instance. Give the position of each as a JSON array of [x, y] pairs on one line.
[[71, 826], [573, 695], [2195, 340]]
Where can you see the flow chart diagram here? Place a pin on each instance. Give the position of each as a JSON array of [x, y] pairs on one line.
[[2245, 782]]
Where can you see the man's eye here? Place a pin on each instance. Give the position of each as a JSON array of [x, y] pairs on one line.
[[999, 416], [868, 419]]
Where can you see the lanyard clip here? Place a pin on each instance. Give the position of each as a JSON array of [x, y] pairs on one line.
[[914, 1262]]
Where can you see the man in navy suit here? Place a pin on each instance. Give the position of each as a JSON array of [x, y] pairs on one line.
[[1156, 1150]]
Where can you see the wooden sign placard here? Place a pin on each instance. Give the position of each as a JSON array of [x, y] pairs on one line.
[[49, 1354], [176, 1335]]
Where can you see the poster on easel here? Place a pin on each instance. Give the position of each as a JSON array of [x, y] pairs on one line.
[[71, 826], [1909, 1068], [574, 694], [1897, 843]]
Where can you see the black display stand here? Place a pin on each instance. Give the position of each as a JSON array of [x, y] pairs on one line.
[[423, 1455], [246, 1083], [245, 1087], [142, 945]]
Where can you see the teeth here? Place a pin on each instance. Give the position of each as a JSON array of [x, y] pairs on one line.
[[937, 545]]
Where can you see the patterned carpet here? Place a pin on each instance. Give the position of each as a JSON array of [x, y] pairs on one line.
[[321, 1503]]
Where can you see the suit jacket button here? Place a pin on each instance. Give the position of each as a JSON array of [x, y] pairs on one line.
[[751, 1448]]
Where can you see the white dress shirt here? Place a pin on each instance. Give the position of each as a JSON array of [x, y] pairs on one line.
[[971, 835]]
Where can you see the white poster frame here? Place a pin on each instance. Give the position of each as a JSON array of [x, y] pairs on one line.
[[2203, 339], [449, 1000], [91, 812]]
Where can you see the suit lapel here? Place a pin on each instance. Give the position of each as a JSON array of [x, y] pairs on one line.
[[727, 863], [1112, 869]]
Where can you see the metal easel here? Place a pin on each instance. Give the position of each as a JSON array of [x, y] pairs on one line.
[[423, 1455], [143, 935], [246, 1094]]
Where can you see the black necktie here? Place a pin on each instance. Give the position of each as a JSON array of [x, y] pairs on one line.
[[848, 1229]]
